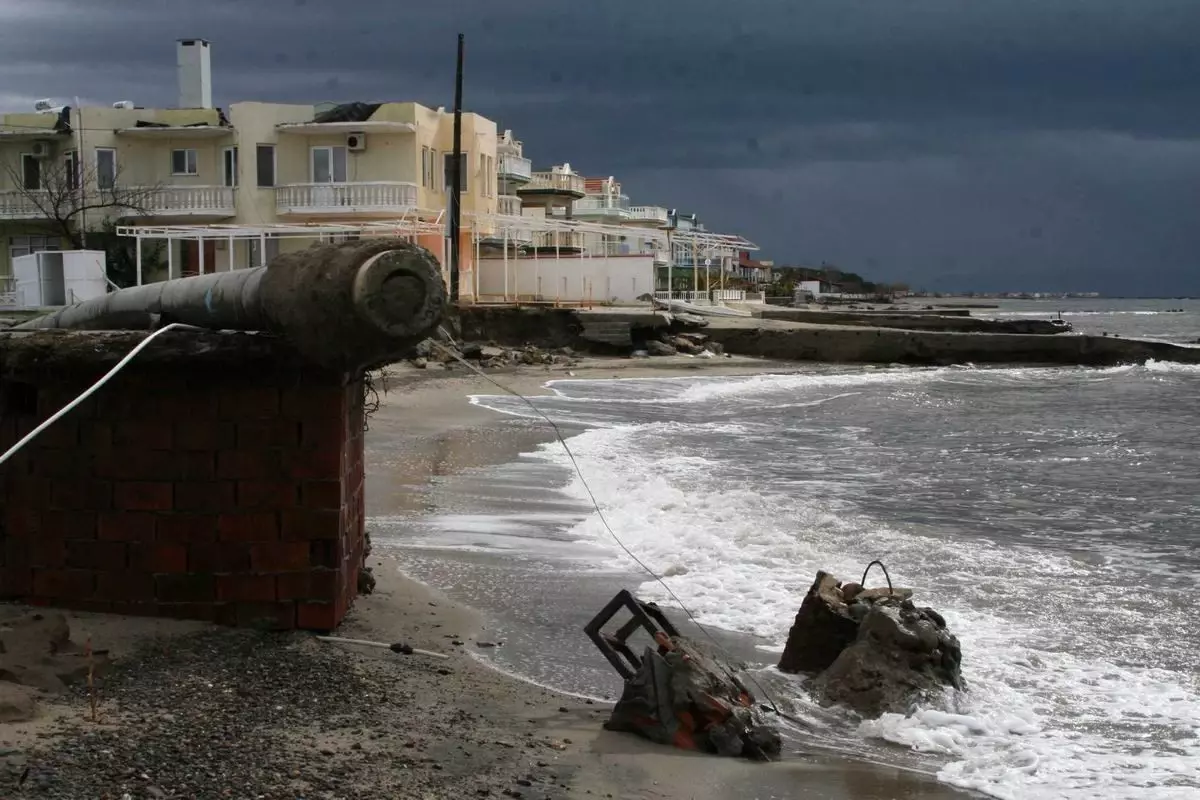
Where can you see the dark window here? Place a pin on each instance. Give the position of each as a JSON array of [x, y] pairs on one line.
[[265, 156]]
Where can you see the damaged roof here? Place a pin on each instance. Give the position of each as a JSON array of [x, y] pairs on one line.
[[348, 112]]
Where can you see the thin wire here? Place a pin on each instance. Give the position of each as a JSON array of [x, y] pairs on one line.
[[90, 391], [599, 511]]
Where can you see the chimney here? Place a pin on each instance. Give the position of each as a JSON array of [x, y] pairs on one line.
[[195, 73]]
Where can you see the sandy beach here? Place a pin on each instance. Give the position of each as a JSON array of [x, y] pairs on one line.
[[187, 710]]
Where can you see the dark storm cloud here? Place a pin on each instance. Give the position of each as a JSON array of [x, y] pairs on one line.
[[1037, 144]]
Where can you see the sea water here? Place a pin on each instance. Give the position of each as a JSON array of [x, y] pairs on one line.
[[1050, 514]]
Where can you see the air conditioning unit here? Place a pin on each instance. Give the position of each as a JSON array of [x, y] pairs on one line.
[[356, 141], [40, 150]]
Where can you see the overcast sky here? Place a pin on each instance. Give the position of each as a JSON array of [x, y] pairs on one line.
[[954, 144]]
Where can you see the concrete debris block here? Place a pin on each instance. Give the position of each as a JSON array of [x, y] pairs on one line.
[[871, 649], [694, 338], [692, 320], [37, 655], [657, 348]]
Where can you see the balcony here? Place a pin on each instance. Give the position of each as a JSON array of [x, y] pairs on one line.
[[555, 183], [374, 197], [509, 205], [563, 240], [514, 168], [650, 215], [22, 205], [185, 201], [602, 205]]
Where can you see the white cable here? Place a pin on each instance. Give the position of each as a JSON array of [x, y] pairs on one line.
[[92, 390]]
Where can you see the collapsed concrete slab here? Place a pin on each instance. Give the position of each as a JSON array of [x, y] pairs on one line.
[[871, 650]]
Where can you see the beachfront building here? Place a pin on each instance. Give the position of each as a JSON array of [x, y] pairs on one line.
[[260, 164]]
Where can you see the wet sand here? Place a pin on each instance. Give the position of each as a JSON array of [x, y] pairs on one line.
[[425, 441]]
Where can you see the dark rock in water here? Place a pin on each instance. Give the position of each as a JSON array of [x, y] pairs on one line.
[[684, 697], [822, 630], [657, 348], [871, 649], [903, 654]]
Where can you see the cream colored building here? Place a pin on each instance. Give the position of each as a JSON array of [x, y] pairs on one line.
[[259, 164]]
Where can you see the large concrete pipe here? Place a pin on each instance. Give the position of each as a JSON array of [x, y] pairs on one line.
[[348, 306]]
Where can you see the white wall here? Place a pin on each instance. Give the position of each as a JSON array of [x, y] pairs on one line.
[[619, 279]]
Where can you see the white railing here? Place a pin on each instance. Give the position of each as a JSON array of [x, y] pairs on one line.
[[602, 204], [15, 205], [648, 214], [508, 204], [514, 166], [345, 198], [559, 239], [721, 295], [184, 200], [559, 181], [705, 298]]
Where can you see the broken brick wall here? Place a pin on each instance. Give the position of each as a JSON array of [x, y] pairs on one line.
[[186, 492]]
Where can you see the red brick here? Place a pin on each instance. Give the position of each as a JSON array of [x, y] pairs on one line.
[[314, 585], [246, 588], [14, 553], [263, 433], [247, 464], [313, 402], [313, 465], [15, 582], [205, 434], [316, 616], [103, 556], [189, 588], [126, 527], [321, 432], [28, 490], [324, 554], [47, 552], [129, 585], [62, 434], [22, 521], [248, 403], [133, 463], [219, 557], [143, 496], [266, 494], [148, 434], [83, 494], [279, 556], [159, 558], [68, 525], [321, 494], [215, 497], [261, 527], [63, 464], [63, 583], [306, 524], [198, 402], [95, 434], [270, 616], [186, 528]]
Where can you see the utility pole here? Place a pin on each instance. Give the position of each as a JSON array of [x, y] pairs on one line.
[[456, 176]]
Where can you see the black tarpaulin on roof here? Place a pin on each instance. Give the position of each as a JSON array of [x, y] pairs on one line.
[[348, 112]]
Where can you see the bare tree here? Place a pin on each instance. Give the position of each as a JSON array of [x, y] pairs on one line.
[[70, 195]]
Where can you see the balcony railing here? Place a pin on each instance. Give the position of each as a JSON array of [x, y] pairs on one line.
[[557, 181], [509, 204], [607, 205], [185, 201], [515, 167], [345, 198], [559, 239], [21, 205], [648, 214]]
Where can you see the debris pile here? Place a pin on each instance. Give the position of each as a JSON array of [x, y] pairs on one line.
[[872, 650], [490, 356], [37, 656], [686, 343], [677, 694]]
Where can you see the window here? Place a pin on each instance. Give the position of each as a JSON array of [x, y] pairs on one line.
[[255, 258], [184, 162], [229, 166], [31, 172], [329, 164], [463, 168], [486, 175], [24, 245], [436, 181], [264, 155], [427, 168], [71, 169], [106, 167]]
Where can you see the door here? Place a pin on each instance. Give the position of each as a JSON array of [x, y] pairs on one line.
[[229, 166], [191, 257], [328, 168], [31, 172]]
